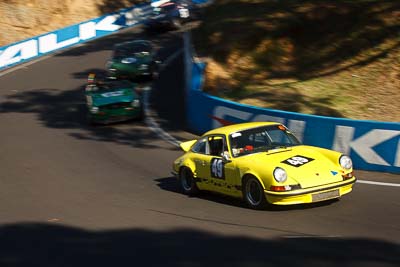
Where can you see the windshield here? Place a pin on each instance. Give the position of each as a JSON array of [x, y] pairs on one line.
[[261, 139], [109, 86], [138, 50], [164, 9]]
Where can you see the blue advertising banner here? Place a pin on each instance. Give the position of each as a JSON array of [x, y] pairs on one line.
[[41, 45], [372, 145], [44, 44]]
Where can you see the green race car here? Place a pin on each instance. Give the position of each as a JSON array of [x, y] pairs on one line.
[[133, 60], [112, 101]]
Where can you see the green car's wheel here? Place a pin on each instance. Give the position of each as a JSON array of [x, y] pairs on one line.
[[187, 181], [253, 193], [90, 121], [142, 114], [154, 71]]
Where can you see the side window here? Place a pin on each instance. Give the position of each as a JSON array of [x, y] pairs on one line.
[[217, 145], [201, 146], [279, 136]]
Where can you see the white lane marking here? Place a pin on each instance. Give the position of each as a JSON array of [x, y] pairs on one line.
[[378, 183], [149, 120], [310, 236], [152, 124]]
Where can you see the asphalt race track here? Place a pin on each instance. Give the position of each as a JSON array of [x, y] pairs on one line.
[[77, 195]]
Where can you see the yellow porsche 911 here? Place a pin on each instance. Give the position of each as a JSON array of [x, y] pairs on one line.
[[263, 163]]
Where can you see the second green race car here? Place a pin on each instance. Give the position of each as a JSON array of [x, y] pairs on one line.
[[112, 101], [133, 60]]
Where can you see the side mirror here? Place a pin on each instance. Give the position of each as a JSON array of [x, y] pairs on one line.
[[226, 156]]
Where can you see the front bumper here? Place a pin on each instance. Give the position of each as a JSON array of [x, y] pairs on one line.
[[311, 195], [117, 74], [111, 118]]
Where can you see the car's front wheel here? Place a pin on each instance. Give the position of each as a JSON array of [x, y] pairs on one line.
[[187, 181], [253, 193], [154, 71]]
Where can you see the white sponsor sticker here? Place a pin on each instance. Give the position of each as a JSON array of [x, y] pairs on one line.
[[111, 94]]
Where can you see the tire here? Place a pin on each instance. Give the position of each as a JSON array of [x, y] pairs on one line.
[[187, 182], [142, 114], [90, 121], [176, 23], [253, 193], [154, 72]]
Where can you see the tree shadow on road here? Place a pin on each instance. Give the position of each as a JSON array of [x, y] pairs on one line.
[[67, 110], [49, 245]]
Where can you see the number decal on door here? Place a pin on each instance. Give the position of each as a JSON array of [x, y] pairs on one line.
[[297, 161], [217, 168]]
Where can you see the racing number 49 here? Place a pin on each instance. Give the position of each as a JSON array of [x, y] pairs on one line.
[[217, 168], [297, 161]]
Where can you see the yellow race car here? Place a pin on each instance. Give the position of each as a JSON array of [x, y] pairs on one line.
[[263, 163]]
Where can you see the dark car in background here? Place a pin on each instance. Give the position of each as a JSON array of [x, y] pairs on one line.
[[171, 14], [133, 60]]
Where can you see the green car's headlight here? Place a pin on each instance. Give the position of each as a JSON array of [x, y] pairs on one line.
[[128, 60], [280, 175], [94, 109], [109, 64], [143, 67], [345, 162], [136, 103]]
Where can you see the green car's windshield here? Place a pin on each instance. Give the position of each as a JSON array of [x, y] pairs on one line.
[[261, 139], [132, 49], [164, 9], [110, 86]]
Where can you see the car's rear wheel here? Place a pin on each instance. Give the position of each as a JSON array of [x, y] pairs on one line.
[[187, 181], [253, 193]]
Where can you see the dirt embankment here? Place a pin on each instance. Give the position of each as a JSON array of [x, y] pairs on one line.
[[331, 58], [21, 19]]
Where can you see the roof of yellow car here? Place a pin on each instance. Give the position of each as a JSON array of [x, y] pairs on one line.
[[239, 127]]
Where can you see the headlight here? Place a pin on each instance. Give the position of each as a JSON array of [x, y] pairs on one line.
[[345, 162], [280, 175], [109, 64], [136, 103], [94, 109], [143, 67], [128, 60]]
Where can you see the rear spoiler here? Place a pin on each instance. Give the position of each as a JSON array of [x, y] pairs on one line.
[[185, 146]]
